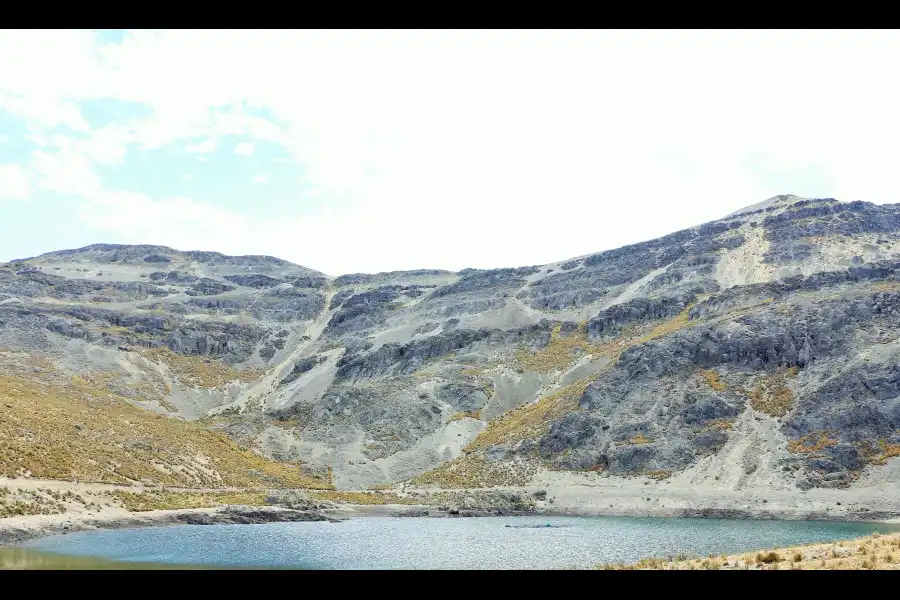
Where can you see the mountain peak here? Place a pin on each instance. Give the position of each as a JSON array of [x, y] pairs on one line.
[[779, 201]]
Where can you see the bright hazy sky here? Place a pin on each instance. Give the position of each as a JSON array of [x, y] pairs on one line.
[[374, 151]]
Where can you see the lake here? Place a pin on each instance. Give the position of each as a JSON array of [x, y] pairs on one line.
[[441, 543]]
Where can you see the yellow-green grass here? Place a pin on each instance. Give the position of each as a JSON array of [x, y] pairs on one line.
[[712, 380], [532, 420], [559, 352], [200, 371], [811, 443], [771, 395], [366, 498], [79, 432], [166, 500]]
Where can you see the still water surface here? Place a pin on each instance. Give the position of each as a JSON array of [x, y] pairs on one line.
[[430, 543]]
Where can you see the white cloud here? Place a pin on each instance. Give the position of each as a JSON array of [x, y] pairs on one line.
[[42, 111], [244, 149], [477, 148], [204, 147], [14, 184], [65, 172], [261, 179]]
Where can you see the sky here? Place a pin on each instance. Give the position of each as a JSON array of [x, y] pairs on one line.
[[368, 151]]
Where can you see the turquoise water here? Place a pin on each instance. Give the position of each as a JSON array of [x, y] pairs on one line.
[[428, 543]]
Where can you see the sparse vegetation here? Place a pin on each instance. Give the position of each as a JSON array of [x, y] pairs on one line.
[[165, 500], [32, 502], [884, 451], [531, 420], [771, 394], [559, 352], [470, 371], [80, 432], [198, 370], [885, 286], [712, 380], [381, 487], [872, 552], [811, 443], [113, 329], [469, 471], [367, 498], [672, 325], [473, 414]]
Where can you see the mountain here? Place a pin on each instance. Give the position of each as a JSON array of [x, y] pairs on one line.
[[760, 350]]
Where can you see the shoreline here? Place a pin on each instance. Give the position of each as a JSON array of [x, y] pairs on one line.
[[548, 495], [430, 511], [17, 530]]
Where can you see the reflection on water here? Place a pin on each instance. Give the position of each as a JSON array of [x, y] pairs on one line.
[[22, 559]]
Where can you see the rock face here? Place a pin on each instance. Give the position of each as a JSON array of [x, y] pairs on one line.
[[648, 360]]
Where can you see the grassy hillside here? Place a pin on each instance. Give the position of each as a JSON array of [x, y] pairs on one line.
[[79, 431]]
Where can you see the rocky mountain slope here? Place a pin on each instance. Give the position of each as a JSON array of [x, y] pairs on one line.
[[759, 349]]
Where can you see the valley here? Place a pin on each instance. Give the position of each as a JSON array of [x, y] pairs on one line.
[[745, 367]]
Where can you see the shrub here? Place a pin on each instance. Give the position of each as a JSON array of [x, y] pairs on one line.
[[768, 558]]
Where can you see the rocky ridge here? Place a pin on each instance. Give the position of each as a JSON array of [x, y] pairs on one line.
[[759, 349]]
